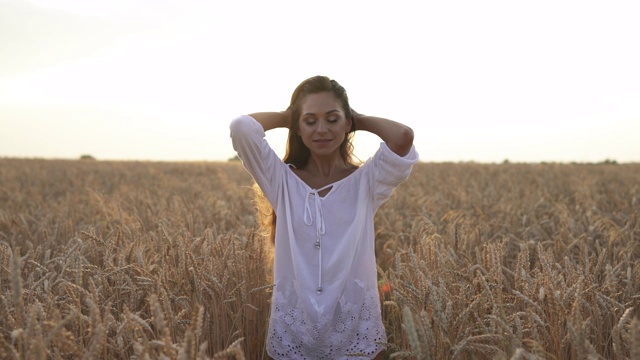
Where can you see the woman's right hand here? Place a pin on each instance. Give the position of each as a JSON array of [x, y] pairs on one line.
[[272, 120], [287, 117]]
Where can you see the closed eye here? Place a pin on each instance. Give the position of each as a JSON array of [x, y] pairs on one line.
[[309, 120]]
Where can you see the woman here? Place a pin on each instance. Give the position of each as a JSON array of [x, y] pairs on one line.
[[325, 301]]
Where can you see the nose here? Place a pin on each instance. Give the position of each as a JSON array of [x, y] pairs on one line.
[[322, 127]]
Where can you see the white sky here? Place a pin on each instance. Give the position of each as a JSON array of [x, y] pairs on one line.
[[476, 80]]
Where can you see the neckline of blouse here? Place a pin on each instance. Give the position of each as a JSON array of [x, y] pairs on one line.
[[332, 185]]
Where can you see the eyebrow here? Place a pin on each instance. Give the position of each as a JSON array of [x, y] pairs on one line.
[[327, 113]]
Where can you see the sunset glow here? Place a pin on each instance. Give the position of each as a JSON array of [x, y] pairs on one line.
[[477, 81]]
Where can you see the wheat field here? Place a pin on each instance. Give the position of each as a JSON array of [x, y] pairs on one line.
[[144, 260]]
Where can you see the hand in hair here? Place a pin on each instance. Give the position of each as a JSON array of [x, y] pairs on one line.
[[272, 120], [398, 137], [354, 119]]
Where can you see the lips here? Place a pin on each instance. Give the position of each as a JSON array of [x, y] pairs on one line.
[[322, 141]]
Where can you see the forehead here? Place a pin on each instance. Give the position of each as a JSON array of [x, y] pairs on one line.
[[320, 103]]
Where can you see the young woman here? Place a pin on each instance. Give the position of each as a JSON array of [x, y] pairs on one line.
[[325, 301]]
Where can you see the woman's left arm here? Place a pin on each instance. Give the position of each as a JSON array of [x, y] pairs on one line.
[[398, 137]]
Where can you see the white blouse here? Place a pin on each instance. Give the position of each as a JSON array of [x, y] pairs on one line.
[[325, 301]]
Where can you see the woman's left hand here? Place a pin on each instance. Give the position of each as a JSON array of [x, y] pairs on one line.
[[354, 119]]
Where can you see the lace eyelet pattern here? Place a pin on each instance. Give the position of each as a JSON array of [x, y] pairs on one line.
[[352, 328]]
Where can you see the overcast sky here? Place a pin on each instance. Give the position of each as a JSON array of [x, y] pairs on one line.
[[476, 80]]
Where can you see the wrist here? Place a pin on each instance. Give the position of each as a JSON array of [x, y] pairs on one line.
[[286, 118], [355, 118]]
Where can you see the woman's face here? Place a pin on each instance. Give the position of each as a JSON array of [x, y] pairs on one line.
[[322, 125]]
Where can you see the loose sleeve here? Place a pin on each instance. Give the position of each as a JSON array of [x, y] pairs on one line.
[[264, 165], [388, 171]]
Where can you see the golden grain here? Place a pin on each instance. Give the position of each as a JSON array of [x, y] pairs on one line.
[[162, 260]]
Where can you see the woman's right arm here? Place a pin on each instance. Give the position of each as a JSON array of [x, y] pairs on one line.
[[272, 120], [248, 139]]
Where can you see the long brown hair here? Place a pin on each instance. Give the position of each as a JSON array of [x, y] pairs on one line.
[[297, 153]]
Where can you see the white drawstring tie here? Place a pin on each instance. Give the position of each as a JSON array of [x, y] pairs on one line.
[[320, 229]]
